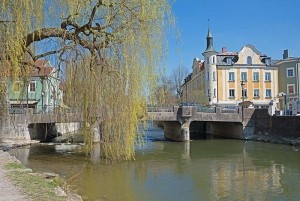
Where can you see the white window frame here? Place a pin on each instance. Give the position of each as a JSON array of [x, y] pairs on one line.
[[229, 78], [207, 60], [244, 73], [254, 73], [287, 88], [29, 88], [287, 70], [244, 93], [270, 78], [233, 90], [229, 61], [267, 93], [254, 94], [249, 60]]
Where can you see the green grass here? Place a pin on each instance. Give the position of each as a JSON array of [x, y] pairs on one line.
[[35, 186]]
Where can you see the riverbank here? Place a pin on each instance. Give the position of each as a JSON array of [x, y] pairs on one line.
[[19, 183]]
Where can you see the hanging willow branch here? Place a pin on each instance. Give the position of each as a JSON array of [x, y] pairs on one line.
[[110, 51]]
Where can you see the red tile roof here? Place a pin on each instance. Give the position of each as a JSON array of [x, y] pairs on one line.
[[41, 68], [201, 65]]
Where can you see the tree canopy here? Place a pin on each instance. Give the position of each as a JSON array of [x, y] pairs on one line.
[[107, 50]]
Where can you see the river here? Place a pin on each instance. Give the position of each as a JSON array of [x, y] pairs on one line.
[[212, 169]]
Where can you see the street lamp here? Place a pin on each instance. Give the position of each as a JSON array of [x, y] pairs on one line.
[[243, 97]]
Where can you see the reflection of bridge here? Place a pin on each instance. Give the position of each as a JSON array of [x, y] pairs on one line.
[[178, 121]]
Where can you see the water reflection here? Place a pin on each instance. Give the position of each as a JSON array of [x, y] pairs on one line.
[[197, 170]]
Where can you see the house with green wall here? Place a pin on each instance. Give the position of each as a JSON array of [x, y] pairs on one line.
[[38, 90], [288, 81]]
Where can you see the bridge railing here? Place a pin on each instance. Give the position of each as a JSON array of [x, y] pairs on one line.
[[229, 109], [160, 109], [206, 109], [46, 109]]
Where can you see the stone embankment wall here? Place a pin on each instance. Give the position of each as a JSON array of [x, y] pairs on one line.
[[259, 125]]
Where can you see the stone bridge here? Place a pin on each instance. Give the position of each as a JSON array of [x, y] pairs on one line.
[[180, 122], [42, 126]]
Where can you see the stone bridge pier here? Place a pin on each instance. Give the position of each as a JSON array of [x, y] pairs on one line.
[[179, 130]]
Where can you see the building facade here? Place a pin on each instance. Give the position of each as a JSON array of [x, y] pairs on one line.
[[193, 87], [289, 81], [231, 78], [38, 90]]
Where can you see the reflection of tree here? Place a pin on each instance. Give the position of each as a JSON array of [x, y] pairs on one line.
[[216, 171], [236, 178]]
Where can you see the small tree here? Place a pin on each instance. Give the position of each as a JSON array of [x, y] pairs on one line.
[[177, 77], [165, 92]]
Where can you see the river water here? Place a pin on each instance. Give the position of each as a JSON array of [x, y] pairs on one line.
[[212, 169]]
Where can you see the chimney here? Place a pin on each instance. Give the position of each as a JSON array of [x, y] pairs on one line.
[[223, 49], [285, 54]]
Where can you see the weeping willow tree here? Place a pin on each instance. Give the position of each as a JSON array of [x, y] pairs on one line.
[[107, 50]]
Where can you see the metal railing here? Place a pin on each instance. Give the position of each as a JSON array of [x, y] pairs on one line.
[[230, 109], [160, 109], [205, 109], [46, 109]]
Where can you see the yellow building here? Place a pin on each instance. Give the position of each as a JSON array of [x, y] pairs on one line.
[[193, 87], [227, 74]]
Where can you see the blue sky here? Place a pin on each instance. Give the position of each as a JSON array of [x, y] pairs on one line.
[[270, 25]]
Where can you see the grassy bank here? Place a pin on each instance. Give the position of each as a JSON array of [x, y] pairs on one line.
[[36, 186]]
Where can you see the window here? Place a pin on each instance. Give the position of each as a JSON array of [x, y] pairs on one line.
[[231, 93], [207, 60], [32, 87], [268, 93], [16, 86], [244, 93], [256, 93], [267, 76], [208, 92], [207, 76], [231, 76], [255, 76], [214, 59], [214, 76], [229, 61], [243, 76], [215, 92], [268, 62], [249, 60], [291, 88], [290, 72]]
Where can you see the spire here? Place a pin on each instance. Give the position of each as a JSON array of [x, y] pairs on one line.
[[209, 41]]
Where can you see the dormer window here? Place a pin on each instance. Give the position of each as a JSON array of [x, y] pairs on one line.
[[249, 60], [229, 60], [267, 62]]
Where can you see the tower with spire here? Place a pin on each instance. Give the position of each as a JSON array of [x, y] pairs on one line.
[[210, 70]]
